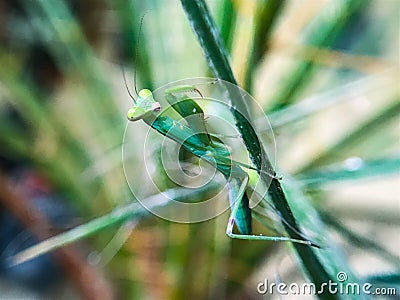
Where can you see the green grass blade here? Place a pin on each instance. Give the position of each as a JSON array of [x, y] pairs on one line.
[[363, 131], [211, 43], [209, 38], [320, 34], [267, 13], [358, 240], [115, 217], [71, 156], [129, 20], [59, 30], [133, 211], [357, 169], [388, 280], [227, 17], [316, 103], [330, 256]]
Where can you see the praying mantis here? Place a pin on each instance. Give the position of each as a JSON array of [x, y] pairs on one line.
[[192, 134]]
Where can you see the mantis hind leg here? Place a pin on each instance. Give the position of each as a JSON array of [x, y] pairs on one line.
[[236, 217]]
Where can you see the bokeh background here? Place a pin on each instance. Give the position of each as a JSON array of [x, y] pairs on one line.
[[326, 74]]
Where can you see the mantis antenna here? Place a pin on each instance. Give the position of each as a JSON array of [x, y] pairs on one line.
[[136, 56], [137, 50], [126, 85]]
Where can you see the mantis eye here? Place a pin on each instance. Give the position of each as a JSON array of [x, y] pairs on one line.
[[131, 115], [156, 106]]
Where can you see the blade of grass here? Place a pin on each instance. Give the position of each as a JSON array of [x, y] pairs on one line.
[[227, 20], [70, 157], [266, 15], [319, 102], [14, 142], [130, 23], [363, 131], [358, 170], [211, 43], [358, 240], [69, 258], [133, 211], [330, 256], [34, 110], [388, 280], [321, 33], [60, 32]]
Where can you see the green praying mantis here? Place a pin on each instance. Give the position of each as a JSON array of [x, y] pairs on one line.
[[192, 134]]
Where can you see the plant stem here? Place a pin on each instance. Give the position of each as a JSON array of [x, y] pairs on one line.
[[216, 56]]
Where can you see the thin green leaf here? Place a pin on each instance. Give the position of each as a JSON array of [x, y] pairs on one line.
[[330, 256], [358, 240], [351, 169], [355, 137], [321, 33], [267, 13], [319, 102], [227, 16], [60, 32], [211, 43], [133, 211], [389, 280], [130, 23]]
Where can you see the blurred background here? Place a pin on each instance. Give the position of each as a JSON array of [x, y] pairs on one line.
[[326, 74]]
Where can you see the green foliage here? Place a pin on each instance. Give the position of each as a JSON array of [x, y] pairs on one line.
[[71, 122]]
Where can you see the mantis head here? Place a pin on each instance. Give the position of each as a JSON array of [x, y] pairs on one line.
[[144, 105]]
